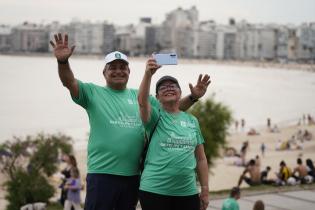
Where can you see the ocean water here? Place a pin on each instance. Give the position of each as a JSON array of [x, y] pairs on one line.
[[32, 99]]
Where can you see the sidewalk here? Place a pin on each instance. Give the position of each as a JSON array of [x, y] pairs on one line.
[[294, 200]]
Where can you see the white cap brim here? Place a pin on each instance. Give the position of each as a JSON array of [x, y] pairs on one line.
[[115, 56]]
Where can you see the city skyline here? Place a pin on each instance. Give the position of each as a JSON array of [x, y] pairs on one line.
[[254, 11]]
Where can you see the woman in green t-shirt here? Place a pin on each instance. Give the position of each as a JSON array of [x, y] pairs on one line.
[[176, 149]]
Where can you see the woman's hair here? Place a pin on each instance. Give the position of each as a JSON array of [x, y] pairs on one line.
[[310, 164], [259, 205], [73, 161], [75, 172]]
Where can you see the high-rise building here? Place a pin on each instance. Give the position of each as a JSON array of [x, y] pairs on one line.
[[5, 38], [29, 37], [207, 39], [182, 26]]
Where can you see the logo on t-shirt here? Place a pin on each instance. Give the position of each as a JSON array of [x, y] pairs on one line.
[[187, 124]]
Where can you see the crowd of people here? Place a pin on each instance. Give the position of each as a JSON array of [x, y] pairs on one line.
[[295, 142], [307, 119], [301, 173]]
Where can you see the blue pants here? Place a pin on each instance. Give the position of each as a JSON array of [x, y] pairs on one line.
[[108, 192]]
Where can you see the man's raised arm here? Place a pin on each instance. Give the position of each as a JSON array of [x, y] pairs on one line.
[[62, 53], [144, 90]]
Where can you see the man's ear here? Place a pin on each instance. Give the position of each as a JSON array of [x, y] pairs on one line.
[[104, 70]]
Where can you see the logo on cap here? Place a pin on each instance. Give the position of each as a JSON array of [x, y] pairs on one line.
[[117, 55]]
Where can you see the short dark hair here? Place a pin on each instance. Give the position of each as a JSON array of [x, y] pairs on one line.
[[299, 161], [268, 168], [235, 191], [252, 162], [282, 163], [259, 205]]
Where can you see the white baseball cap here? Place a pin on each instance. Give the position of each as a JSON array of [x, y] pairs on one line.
[[115, 56]]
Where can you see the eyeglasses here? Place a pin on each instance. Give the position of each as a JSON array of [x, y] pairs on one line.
[[168, 87]]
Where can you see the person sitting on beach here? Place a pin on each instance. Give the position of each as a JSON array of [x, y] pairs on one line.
[[275, 129], [252, 132], [264, 176], [231, 202], [278, 145], [254, 173], [284, 174], [310, 168], [307, 135], [300, 171], [310, 120]]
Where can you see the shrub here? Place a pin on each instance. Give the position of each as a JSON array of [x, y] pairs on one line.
[[214, 119], [28, 163]]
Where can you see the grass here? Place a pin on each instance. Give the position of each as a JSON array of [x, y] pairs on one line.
[[54, 206]]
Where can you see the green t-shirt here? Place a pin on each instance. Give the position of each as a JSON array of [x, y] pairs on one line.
[[170, 163], [116, 131], [230, 204]]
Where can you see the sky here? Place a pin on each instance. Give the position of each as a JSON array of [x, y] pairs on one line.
[[129, 11]]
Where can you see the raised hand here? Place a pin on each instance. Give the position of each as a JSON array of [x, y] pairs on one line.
[[61, 49], [200, 88], [151, 66]]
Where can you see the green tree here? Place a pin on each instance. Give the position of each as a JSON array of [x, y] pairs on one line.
[[28, 163], [214, 119]]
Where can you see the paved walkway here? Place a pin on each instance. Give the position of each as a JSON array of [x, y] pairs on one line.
[[294, 200]]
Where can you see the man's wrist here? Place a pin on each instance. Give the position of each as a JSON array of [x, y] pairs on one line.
[[62, 62], [192, 98]]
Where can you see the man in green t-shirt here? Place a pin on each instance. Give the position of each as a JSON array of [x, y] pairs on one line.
[[116, 132], [231, 202]]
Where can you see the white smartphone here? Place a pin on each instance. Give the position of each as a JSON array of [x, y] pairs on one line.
[[165, 58]]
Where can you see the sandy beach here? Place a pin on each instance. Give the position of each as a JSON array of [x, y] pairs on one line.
[[223, 175]]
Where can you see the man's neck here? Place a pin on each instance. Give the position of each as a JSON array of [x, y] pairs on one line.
[[117, 87]]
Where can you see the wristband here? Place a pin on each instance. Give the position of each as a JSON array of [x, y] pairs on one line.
[[62, 62], [192, 99]]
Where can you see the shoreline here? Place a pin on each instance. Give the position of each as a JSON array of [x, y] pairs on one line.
[[247, 63]]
